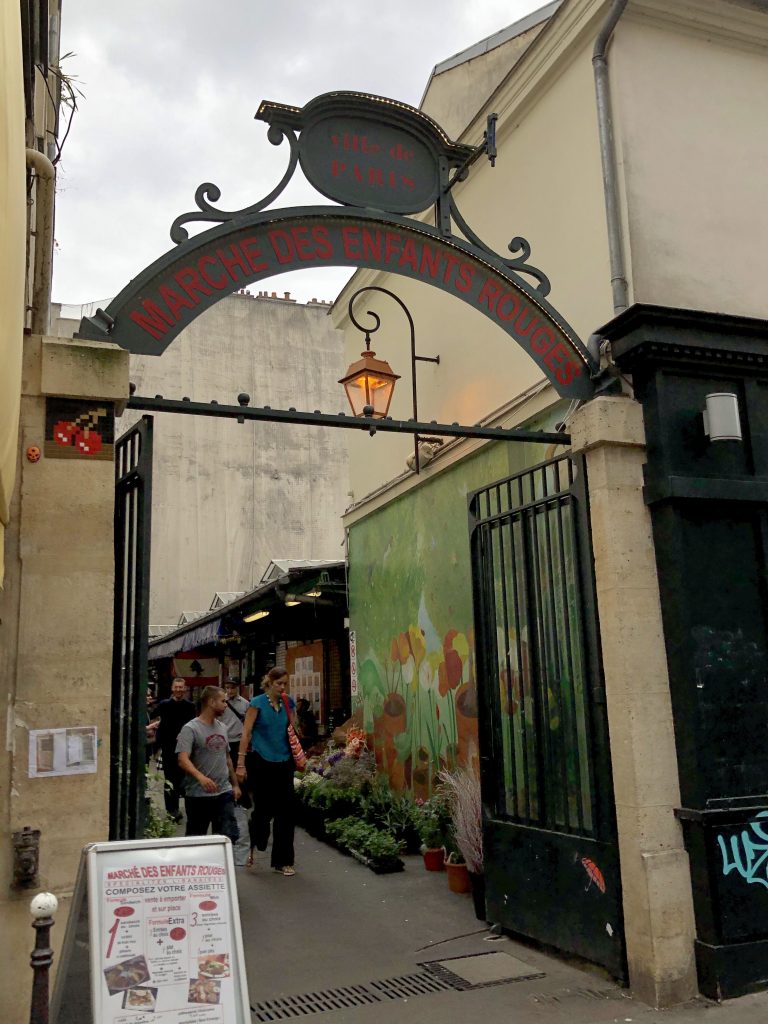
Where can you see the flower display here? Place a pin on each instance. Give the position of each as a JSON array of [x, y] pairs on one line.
[[356, 743]]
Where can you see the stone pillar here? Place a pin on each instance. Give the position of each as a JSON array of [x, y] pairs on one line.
[[56, 611], [707, 493], [655, 876]]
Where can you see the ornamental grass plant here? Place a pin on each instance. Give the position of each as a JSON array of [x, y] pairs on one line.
[[462, 788]]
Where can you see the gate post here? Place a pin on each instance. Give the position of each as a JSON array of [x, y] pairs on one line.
[[706, 489], [655, 876]]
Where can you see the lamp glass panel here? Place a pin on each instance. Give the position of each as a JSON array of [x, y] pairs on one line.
[[379, 395], [369, 389], [357, 394]]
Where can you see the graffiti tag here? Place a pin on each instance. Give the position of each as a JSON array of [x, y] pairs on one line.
[[748, 857]]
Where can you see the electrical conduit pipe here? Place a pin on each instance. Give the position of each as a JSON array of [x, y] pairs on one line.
[[619, 284], [43, 269]]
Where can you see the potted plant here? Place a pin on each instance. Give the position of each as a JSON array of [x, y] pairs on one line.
[[458, 873], [462, 787], [433, 826]]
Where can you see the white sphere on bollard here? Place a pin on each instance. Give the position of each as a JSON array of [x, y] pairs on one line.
[[44, 904]]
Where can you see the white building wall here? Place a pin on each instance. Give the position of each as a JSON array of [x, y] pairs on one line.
[[228, 497], [690, 111]]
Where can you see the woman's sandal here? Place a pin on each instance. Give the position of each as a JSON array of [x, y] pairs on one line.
[[287, 871], [249, 862]]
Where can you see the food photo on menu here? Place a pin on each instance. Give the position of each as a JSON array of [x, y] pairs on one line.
[[140, 998], [214, 965], [204, 990], [126, 975]]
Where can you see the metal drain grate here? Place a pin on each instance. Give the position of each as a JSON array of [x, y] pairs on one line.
[[410, 985], [405, 987]]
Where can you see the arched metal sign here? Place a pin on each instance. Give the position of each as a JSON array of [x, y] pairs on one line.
[[380, 160]]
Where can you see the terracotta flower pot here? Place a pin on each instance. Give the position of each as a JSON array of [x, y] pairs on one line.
[[434, 859], [458, 877]]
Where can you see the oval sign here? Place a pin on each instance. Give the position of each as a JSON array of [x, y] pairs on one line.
[[124, 911], [208, 905], [361, 162]]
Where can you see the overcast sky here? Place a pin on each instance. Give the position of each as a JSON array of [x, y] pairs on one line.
[[170, 91]]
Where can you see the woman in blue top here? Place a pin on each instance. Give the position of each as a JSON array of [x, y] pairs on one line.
[[265, 759]]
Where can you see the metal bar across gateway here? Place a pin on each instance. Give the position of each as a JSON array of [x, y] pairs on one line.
[[321, 419]]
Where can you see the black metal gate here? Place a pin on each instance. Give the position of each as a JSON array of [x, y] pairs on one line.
[[551, 857], [133, 503]]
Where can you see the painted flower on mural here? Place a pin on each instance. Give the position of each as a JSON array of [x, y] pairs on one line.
[[455, 655], [418, 645], [403, 648]]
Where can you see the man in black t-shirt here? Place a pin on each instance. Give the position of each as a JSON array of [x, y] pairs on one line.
[[171, 715]]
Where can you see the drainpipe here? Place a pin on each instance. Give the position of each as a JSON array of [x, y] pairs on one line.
[[619, 285], [41, 278]]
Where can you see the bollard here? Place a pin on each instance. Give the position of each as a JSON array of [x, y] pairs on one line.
[[42, 908]]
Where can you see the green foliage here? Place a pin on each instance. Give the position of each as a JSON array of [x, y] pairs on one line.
[[395, 813], [353, 834], [434, 823], [334, 801], [158, 824], [381, 846], [352, 772]]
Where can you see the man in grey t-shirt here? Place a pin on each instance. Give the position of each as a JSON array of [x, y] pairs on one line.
[[210, 785]]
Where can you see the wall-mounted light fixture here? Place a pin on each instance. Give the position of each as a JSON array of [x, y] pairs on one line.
[[721, 417], [255, 616], [312, 593], [290, 601]]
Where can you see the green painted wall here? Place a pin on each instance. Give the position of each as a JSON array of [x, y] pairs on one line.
[[411, 607]]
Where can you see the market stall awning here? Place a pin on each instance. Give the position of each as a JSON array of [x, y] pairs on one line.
[[187, 639], [317, 585]]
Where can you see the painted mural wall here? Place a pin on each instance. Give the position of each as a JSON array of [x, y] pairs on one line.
[[411, 606]]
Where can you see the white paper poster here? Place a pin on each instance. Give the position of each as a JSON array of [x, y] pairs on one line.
[[55, 752]]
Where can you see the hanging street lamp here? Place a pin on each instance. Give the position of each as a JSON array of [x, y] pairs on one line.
[[370, 382]]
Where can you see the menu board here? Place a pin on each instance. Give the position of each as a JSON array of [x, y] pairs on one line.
[[164, 934]]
